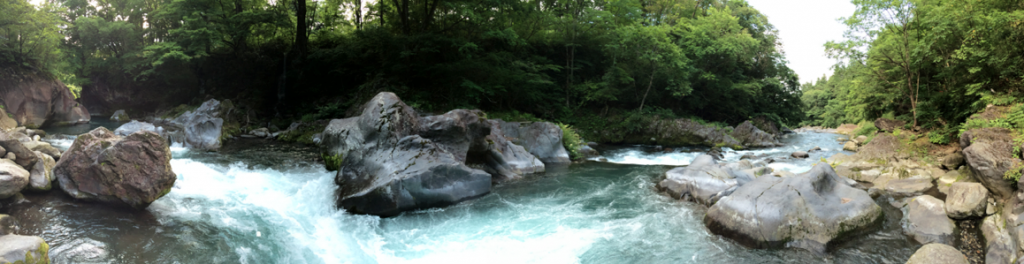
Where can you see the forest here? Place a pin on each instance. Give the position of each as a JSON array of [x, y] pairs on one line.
[[930, 63], [562, 60]]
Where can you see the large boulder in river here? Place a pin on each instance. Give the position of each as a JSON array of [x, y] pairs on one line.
[[507, 160], [925, 220], [13, 178], [23, 249], [459, 132], [807, 210], [989, 154], [35, 101], [704, 180], [888, 125], [203, 127], [24, 155], [966, 200], [750, 136], [99, 166], [542, 139], [937, 254], [388, 168]]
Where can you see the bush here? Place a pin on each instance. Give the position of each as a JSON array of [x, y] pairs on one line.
[[937, 137], [865, 128], [572, 141], [333, 162]]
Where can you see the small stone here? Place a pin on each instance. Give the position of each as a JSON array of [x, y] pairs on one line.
[[800, 155], [850, 146]]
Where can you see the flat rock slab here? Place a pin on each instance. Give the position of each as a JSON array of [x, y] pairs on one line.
[[937, 254], [704, 180], [966, 200], [924, 220], [807, 211], [908, 187]]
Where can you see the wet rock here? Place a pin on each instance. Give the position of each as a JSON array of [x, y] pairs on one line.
[[850, 146], [45, 148], [926, 222], [999, 245], [13, 178], [888, 125], [966, 200], [23, 156], [41, 177], [387, 168], [203, 126], [807, 210], [704, 181], [908, 187], [99, 166], [989, 154], [542, 139], [458, 131], [937, 254], [587, 152], [750, 136], [120, 116], [800, 155], [814, 149], [3, 152], [23, 249]]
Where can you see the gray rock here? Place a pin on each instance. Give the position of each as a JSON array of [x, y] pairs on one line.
[[41, 177], [23, 155], [966, 200], [860, 140], [807, 211], [704, 180], [13, 178], [750, 136], [937, 254], [953, 161], [800, 155], [23, 249], [10, 156], [542, 139], [6, 122], [506, 160], [202, 127], [387, 168], [135, 126], [3, 152], [1000, 247], [947, 179], [45, 148], [120, 116], [260, 132], [814, 149], [460, 132], [888, 125], [925, 221], [989, 154], [587, 152], [908, 187]]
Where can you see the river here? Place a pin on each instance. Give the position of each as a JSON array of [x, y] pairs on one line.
[[259, 201]]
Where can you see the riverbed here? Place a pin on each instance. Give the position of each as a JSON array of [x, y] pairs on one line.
[[260, 201]]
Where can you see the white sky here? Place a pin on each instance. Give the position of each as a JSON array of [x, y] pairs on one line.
[[805, 26]]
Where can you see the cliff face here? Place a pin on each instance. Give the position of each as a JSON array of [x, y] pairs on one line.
[[34, 101]]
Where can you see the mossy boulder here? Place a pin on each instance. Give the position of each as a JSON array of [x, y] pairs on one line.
[[24, 249]]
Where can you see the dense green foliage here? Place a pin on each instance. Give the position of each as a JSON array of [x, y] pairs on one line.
[[555, 59], [930, 63]]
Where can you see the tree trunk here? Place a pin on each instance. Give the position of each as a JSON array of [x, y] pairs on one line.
[[650, 82], [300, 27]]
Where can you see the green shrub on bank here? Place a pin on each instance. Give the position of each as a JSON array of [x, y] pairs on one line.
[[865, 128], [571, 140], [333, 162], [938, 137]]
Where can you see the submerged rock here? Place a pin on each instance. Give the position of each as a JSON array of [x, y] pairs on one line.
[[807, 210], [387, 168], [13, 178], [937, 254], [966, 200], [925, 221], [704, 180], [542, 139], [134, 170]]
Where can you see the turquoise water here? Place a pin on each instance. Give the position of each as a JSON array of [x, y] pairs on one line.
[[262, 202]]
